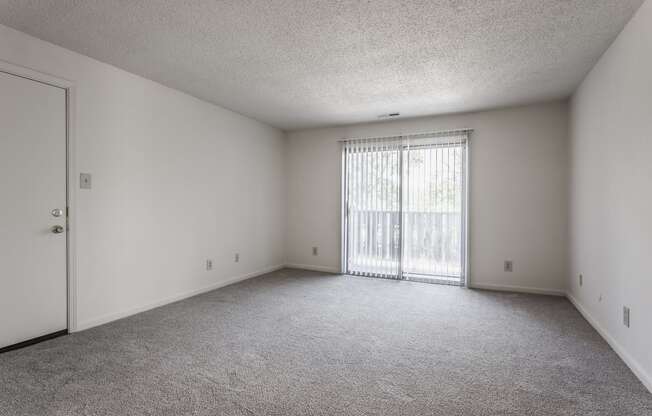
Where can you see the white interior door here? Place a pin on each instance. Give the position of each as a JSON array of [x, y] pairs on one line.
[[33, 285]]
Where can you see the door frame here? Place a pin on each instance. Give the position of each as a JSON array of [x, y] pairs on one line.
[[71, 178]]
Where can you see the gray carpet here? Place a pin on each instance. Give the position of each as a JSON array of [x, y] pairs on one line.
[[303, 343]]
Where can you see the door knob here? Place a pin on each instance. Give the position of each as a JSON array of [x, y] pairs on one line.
[[57, 212], [57, 229]]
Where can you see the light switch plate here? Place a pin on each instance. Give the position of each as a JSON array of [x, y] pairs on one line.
[[85, 180]]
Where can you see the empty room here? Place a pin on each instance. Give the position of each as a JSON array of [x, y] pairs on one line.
[[311, 207]]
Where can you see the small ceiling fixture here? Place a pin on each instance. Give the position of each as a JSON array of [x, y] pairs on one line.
[[389, 115]]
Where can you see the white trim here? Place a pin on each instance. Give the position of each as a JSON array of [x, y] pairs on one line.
[[71, 175], [518, 289], [132, 311], [467, 211], [344, 210], [28, 73], [71, 190], [314, 268], [633, 365]]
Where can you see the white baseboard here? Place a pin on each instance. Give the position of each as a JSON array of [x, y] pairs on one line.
[[633, 365], [132, 311], [326, 269], [518, 289]]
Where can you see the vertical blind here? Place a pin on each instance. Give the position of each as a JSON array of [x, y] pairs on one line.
[[373, 195], [405, 206]]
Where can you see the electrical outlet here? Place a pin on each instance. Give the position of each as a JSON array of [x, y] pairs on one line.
[[509, 266], [581, 280], [236, 258], [209, 264], [626, 316], [315, 251], [85, 180]]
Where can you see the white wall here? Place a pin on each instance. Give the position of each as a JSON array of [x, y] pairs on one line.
[[611, 193], [518, 193], [175, 181]]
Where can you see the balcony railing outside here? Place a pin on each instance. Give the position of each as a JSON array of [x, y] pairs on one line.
[[432, 246]]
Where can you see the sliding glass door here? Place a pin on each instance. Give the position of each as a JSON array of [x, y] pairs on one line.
[[405, 207]]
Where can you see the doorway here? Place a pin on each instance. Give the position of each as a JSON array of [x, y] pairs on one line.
[[404, 207], [34, 214]]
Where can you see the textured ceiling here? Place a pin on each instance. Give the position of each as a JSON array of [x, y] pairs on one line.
[[306, 63]]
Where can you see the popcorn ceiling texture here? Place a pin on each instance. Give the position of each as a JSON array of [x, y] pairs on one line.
[[307, 63]]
